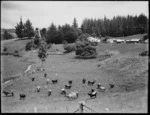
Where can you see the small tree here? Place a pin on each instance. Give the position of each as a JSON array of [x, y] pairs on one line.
[[28, 46], [42, 53]]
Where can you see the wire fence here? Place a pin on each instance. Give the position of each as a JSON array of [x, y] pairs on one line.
[[35, 109]]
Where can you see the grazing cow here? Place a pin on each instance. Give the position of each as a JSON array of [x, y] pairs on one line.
[[102, 88], [32, 79], [91, 82], [111, 86], [92, 94], [11, 93], [45, 75], [70, 82], [54, 81], [22, 96], [63, 92], [84, 80], [38, 88], [67, 86], [72, 95], [47, 81], [56, 75], [98, 85], [49, 92]]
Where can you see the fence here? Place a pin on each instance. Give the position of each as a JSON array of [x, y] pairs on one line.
[[81, 109]]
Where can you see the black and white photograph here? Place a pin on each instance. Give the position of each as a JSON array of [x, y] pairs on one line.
[[74, 56]]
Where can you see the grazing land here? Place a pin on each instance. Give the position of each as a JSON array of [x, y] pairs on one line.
[[118, 64]]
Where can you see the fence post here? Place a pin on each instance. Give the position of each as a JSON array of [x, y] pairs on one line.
[[46, 109], [35, 109], [67, 109], [81, 104], [27, 111]]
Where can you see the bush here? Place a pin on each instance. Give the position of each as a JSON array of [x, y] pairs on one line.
[[144, 38], [28, 46], [5, 49], [83, 37], [7, 35], [16, 53], [144, 53], [68, 47], [84, 49], [36, 41]]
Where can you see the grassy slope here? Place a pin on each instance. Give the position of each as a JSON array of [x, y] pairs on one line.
[[15, 45], [68, 67], [11, 65]]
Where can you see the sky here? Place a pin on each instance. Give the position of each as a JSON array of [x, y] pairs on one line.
[[43, 13]]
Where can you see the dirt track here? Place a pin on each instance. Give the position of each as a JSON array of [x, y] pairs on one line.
[[67, 67]]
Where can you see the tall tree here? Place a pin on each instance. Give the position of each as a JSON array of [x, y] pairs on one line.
[[20, 29], [51, 34], [75, 24], [28, 29], [69, 32]]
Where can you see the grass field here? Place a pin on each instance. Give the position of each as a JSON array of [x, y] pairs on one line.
[[124, 68], [14, 45], [12, 65]]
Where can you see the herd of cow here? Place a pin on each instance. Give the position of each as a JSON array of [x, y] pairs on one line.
[[72, 95]]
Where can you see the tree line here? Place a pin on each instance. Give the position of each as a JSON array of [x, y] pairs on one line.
[[116, 27]]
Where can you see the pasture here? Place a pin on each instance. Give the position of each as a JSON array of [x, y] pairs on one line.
[[117, 64]]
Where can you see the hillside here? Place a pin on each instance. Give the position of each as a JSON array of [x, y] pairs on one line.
[[10, 31], [118, 64]]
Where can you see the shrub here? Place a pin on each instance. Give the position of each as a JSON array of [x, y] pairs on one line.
[[16, 53], [144, 38], [5, 49], [28, 46], [84, 49], [36, 41], [7, 35], [83, 37], [68, 47], [144, 53]]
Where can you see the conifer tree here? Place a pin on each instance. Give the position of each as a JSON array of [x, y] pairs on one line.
[[28, 29], [75, 24], [20, 29]]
